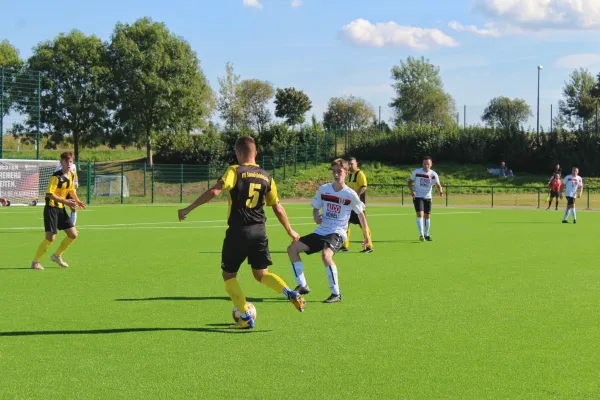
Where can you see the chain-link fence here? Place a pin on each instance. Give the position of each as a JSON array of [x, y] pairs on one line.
[[19, 114]]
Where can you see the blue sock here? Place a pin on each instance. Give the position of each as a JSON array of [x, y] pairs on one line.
[[287, 292]]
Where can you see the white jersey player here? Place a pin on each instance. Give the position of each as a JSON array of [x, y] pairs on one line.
[[332, 206], [76, 185], [421, 183], [573, 186]]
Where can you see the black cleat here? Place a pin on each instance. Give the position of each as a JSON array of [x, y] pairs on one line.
[[422, 238], [302, 290], [428, 238], [367, 250], [334, 298], [565, 221], [574, 221], [343, 249]]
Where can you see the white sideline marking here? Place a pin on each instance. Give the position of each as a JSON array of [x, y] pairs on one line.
[[153, 225]]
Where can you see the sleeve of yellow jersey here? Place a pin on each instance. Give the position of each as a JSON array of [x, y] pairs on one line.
[[272, 198], [52, 185], [229, 179], [361, 179], [72, 189]]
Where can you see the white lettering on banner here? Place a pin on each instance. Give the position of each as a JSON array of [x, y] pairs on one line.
[[20, 180], [7, 184]]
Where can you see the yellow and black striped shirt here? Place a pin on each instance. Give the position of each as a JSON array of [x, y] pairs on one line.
[[60, 185], [356, 180], [249, 187]]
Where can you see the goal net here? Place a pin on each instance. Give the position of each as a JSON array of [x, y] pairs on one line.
[[24, 182], [111, 185]]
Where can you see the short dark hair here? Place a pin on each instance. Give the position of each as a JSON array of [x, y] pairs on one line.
[[341, 162], [245, 145], [350, 159], [427, 158], [65, 155]]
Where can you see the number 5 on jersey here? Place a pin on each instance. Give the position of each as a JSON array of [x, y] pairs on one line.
[[253, 195]]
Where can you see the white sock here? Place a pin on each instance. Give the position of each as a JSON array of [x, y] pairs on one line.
[[298, 268], [567, 212], [427, 225], [574, 213], [74, 217], [420, 225], [332, 276]]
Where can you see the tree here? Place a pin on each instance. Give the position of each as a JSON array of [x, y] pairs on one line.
[[230, 102], [349, 113], [255, 96], [420, 96], [158, 83], [579, 105], [9, 56], [73, 76], [292, 105], [506, 113]]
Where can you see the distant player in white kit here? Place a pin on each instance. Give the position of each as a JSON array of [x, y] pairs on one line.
[[573, 185], [332, 206], [76, 185], [420, 183]]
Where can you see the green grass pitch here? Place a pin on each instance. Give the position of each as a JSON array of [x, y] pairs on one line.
[[503, 305]]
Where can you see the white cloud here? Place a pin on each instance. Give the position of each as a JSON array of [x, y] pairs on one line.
[[489, 30], [253, 3], [296, 3], [389, 34], [563, 14], [574, 61]]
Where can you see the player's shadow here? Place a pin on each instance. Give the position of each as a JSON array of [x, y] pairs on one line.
[[13, 269], [219, 252], [131, 330], [202, 298]]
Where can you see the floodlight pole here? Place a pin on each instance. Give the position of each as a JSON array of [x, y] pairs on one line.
[[539, 68]]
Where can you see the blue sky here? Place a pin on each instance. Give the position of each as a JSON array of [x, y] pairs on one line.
[[485, 48]]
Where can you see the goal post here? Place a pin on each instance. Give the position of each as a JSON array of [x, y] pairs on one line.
[[24, 182], [111, 185]]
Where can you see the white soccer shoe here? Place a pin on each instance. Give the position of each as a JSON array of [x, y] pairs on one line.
[[59, 261]]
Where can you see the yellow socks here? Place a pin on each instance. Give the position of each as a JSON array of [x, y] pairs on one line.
[[347, 242], [64, 245], [233, 288], [42, 250], [274, 282]]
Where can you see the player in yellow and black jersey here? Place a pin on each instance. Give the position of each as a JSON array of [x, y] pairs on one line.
[[357, 180], [60, 186], [249, 188]]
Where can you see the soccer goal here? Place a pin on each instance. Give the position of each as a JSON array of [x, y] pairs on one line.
[[111, 185], [24, 182]]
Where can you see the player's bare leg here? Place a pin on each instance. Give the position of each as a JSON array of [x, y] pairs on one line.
[[278, 285], [64, 245], [332, 276], [294, 251]]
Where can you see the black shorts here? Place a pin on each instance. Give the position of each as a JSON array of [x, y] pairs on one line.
[[354, 218], [317, 243], [56, 219], [570, 201], [554, 194], [422, 204], [249, 242]]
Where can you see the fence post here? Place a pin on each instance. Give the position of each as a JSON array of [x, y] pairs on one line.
[[402, 194], [145, 191], [122, 180], [588, 198], [305, 155], [181, 184], [284, 163], [538, 197], [447, 193], [152, 183], [89, 182], [492, 197], [1, 111]]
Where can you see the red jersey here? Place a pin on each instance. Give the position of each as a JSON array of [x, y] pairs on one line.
[[555, 185]]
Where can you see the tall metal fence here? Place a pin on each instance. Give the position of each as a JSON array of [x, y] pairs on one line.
[[19, 113]]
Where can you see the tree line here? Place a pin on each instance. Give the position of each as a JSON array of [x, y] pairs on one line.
[[145, 87]]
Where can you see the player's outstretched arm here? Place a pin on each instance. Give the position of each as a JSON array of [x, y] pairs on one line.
[[285, 222], [204, 198], [362, 218], [411, 187], [317, 217], [80, 203], [439, 188]]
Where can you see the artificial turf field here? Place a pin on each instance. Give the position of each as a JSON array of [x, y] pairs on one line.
[[503, 305]]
